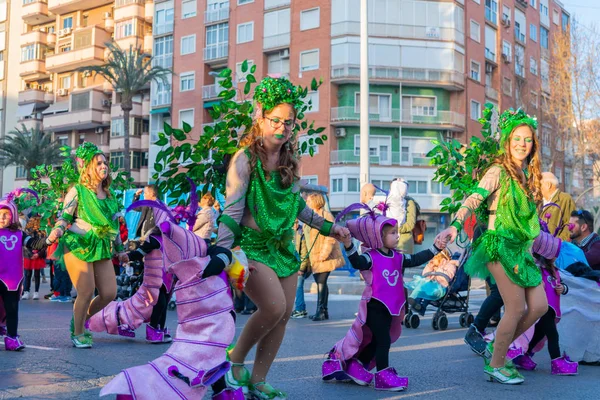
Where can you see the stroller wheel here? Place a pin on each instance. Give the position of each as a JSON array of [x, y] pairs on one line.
[[414, 321], [443, 322], [470, 319], [407, 320], [462, 320], [434, 322]]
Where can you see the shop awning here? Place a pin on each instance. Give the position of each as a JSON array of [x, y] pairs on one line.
[[162, 110], [25, 110]]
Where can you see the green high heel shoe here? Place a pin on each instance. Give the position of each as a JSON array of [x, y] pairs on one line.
[[264, 391]]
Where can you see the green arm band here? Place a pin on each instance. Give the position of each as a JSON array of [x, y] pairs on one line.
[[233, 226], [457, 225], [67, 217], [326, 228]]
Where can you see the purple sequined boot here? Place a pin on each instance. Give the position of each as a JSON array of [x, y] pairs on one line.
[[358, 373], [154, 335], [389, 380], [525, 362], [13, 343], [332, 369], [229, 394], [564, 366]]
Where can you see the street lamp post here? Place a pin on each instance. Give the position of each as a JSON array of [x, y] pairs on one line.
[[364, 94]]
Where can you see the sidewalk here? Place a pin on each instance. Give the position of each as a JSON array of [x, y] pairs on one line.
[[340, 282]]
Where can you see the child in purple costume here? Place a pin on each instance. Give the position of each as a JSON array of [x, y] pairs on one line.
[[381, 309]]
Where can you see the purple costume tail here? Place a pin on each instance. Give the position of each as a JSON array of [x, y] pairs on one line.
[[197, 357]]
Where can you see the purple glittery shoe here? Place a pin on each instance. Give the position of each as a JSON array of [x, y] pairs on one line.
[[229, 394], [332, 369], [525, 362], [154, 335], [564, 366], [127, 332], [358, 373], [389, 380], [13, 343]]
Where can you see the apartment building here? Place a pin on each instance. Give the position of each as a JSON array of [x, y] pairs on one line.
[[59, 36]]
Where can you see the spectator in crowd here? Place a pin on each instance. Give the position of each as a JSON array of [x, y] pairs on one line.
[[206, 218], [367, 193], [558, 217], [301, 232], [584, 236], [146, 222]]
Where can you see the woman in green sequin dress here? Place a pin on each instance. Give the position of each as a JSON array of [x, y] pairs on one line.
[[263, 202], [88, 228], [511, 188]]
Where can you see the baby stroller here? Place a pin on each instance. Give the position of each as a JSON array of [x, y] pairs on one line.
[[452, 302]]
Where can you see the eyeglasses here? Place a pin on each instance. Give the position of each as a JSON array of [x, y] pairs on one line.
[[277, 122]]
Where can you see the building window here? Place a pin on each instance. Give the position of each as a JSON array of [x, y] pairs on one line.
[[279, 63], [309, 19], [419, 105], [383, 184], [163, 52], [533, 66], [137, 126], [62, 140], [475, 110], [337, 185], [116, 159], [277, 23], [117, 128], [124, 29], [380, 149], [305, 138], [417, 187], [163, 18], [520, 61], [313, 97], [67, 23], [543, 10], [507, 50], [217, 35], [241, 76], [475, 31], [139, 159], [519, 34], [188, 44], [311, 179], [544, 37], [186, 116], [532, 3], [491, 11], [65, 82], [555, 16], [534, 99], [309, 60], [475, 70], [242, 2], [353, 185], [187, 81], [21, 172], [245, 32], [506, 11], [188, 9], [533, 32], [565, 22], [439, 188], [33, 52], [379, 104]]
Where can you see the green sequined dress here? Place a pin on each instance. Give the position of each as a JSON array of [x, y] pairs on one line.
[[96, 244], [509, 241], [275, 210]]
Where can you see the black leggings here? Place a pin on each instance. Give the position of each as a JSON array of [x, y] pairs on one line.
[[159, 312], [379, 321], [322, 290], [546, 326], [11, 307], [36, 277]]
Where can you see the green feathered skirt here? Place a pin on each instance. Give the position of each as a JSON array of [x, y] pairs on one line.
[[513, 254]]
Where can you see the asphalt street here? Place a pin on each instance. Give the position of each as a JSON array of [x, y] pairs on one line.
[[438, 363]]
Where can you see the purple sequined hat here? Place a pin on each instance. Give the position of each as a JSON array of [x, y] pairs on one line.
[[369, 229]]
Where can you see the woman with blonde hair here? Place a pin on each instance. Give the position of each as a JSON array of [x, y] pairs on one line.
[[325, 256], [511, 187], [89, 232], [206, 218], [263, 202]]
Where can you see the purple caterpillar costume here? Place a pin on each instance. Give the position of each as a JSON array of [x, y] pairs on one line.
[[197, 357]]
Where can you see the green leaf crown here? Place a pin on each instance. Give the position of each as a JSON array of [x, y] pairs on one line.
[[87, 151], [511, 119], [271, 92]]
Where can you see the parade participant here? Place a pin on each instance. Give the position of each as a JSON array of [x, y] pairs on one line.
[[90, 212], [511, 187], [12, 243], [381, 309], [197, 357], [35, 260], [263, 201]]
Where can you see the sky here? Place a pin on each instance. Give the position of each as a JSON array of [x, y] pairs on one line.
[[586, 11]]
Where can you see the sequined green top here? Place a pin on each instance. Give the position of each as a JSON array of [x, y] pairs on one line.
[[510, 239], [95, 244]]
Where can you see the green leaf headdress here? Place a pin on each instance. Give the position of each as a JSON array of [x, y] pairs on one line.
[[271, 92], [86, 153], [511, 119]]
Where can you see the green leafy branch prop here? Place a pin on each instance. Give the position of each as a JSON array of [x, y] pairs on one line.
[[53, 182], [205, 161], [461, 167]]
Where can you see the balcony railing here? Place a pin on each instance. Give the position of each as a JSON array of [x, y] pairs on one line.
[[405, 116], [352, 72], [35, 12], [272, 42], [162, 98], [212, 16], [398, 30], [36, 36], [217, 51], [269, 4], [31, 96], [386, 159], [211, 91], [490, 55], [165, 61], [87, 48], [161, 29]]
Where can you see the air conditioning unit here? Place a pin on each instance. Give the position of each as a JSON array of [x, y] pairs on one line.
[[105, 103], [506, 58], [284, 53], [505, 21], [64, 32], [62, 92], [99, 130], [340, 132], [107, 15]]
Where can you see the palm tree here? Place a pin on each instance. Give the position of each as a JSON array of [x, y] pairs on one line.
[[29, 148], [129, 73]]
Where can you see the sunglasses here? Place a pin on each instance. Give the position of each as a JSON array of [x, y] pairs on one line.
[[585, 216]]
